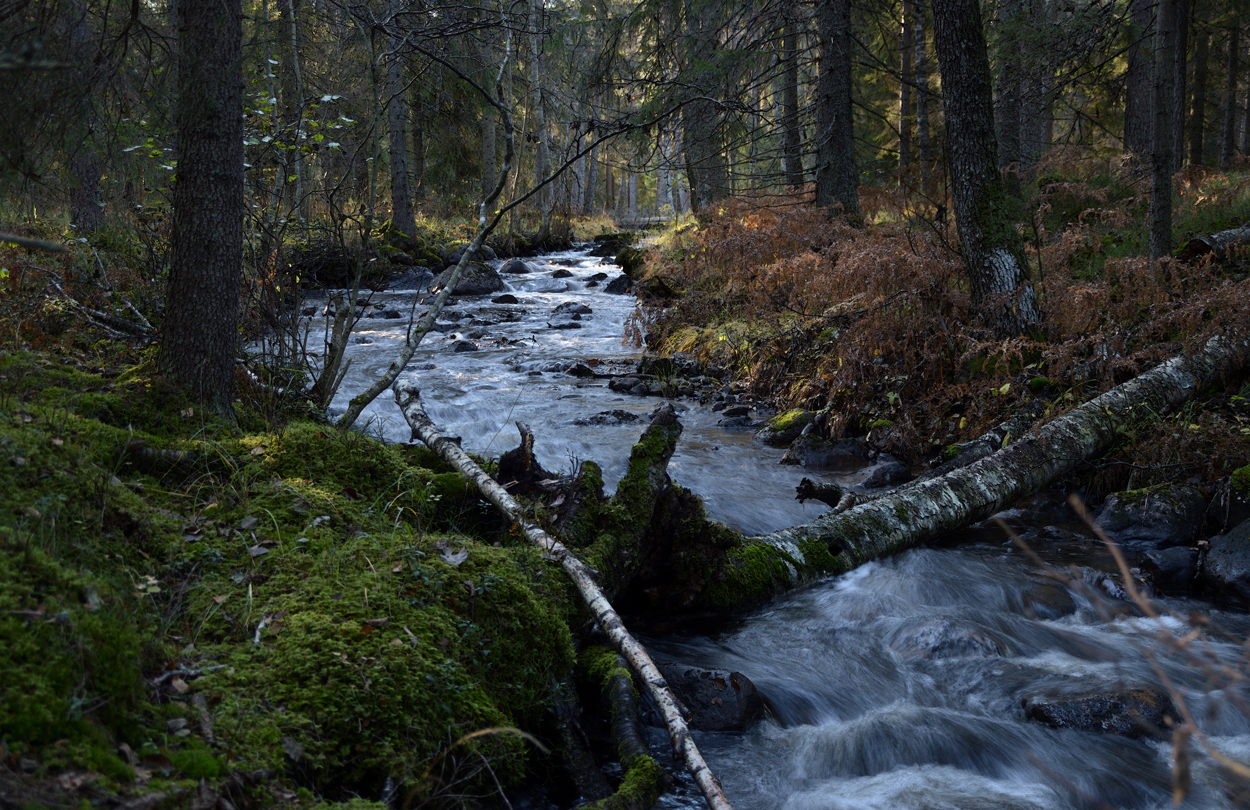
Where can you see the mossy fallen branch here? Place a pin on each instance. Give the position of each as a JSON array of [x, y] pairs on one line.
[[408, 396]]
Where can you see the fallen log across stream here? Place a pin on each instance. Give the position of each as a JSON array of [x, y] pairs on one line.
[[408, 396], [739, 574]]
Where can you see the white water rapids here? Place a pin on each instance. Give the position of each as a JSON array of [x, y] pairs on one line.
[[864, 709]]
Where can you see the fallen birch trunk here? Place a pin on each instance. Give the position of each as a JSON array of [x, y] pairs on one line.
[[408, 396], [1217, 243], [737, 574]]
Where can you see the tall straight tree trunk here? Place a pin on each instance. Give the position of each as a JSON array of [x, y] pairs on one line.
[[906, 118], [1180, 75], [403, 218], [792, 146], [992, 249], [1035, 85], [1138, 123], [1161, 145], [1228, 130], [702, 120], [417, 122], [86, 199], [1198, 113], [837, 182], [202, 300], [1007, 99], [541, 159], [924, 142], [490, 158], [294, 102], [1245, 123]]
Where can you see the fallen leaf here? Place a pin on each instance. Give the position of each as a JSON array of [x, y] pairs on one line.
[[380, 622], [222, 598], [248, 523], [187, 413], [398, 567], [58, 442], [258, 450], [256, 551], [366, 630], [180, 686], [351, 494], [190, 538], [453, 557]]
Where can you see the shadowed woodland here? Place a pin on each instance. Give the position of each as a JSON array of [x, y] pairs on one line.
[[906, 221]]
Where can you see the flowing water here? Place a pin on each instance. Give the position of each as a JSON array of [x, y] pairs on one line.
[[899, 685]]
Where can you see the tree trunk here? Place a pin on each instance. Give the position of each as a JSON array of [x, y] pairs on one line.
[[702, 120], [584, 578], [403, 218], [1228, 130], [1215, 244], [906, 116], [992, 248], [1245, 123], [1007, 98], [1139, 79], [1180, 73], [732, 572], [837, 182], [1035, 86], [924, 143], [202, 301], [418, 146], [541, 160], [792, 145], [1162, 137], [86, 199], [1198, 113]]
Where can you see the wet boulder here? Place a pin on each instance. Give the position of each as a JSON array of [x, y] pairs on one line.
[[718, 700], [739, 423], [1047, 600], [506, 298], [941, 639], [1226, 570], [546, 285], [888, 474], [623, 384], [614, 417], [1132, 713], [517, 267], [463, 346], [1161, 516], [572, 308], [452, 253], [562, 273], [1231, 504], [580, 370], [784, 427], [417, 279], [478, 279], [810, 450], [1172, 570], [619, 285]]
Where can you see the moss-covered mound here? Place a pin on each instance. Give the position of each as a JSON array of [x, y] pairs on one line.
[[302, 609]]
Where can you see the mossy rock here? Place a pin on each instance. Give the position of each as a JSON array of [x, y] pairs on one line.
[[631, 260], [784, 427]]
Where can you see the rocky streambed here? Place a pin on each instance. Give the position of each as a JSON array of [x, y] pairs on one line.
[[975, 674]]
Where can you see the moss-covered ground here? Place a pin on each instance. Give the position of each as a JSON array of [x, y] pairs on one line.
[[293, 615]]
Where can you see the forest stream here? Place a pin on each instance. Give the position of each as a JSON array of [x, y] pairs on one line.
[[903, 684]]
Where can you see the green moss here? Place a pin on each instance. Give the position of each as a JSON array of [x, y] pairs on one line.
[[753, 571], [951, 451], [881, 423], [790, 420], [1241, 481], [198, 762]]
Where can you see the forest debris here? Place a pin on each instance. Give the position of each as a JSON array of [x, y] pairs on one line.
[[408, 397]]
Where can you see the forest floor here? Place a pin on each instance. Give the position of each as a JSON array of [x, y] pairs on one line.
[[276, 612]]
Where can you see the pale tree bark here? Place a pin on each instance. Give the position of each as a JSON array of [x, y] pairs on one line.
[[403, 218], [1198, 112], [992, 248], [1161, 166], [924, 142], [584, 579], [837, 181], [1228, 129], [202, 301], [748, 570], [792, 138], [1139, 79], [906, 115]]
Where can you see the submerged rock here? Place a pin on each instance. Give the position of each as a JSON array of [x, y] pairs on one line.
[[1047, 601], [1130, 713], [614, 417], [572, 308], [1164, 515], [940, 639], [811, 450], [718, 700]]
